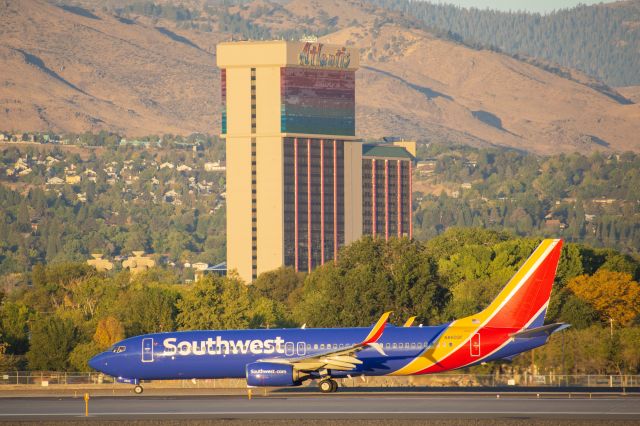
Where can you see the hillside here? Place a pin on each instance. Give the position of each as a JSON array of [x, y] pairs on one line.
[[602, 40], [67, 70], [418, 82], [142, 71]]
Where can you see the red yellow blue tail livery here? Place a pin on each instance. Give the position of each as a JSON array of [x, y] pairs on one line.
[[513, 323]]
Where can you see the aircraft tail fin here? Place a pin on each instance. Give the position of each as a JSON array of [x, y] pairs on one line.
[[523, 301]]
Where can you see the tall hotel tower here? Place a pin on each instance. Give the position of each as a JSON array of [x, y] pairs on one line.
[[294, 164]]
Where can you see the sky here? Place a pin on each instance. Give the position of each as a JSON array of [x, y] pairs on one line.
[[540, 6]]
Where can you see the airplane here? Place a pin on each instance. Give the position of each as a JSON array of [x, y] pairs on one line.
[[513, 323]]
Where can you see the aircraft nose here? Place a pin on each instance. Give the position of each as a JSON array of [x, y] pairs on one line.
[[97, 362]]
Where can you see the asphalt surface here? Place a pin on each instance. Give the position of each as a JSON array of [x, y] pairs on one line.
[[326, 407]]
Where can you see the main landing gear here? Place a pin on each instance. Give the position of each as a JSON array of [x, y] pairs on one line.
[[138, 389], [328, 386]]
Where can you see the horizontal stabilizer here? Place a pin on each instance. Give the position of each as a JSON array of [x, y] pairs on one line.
[[544, 331]]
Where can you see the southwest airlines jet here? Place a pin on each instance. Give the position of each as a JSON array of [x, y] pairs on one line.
[[511, 324]]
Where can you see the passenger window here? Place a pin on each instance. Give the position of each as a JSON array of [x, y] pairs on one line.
[[395, 345], [335, 346], [413, 345], [387, 345], [400, 345], [322, 346], [308, 347], [419, 345], [341, 345], [315, 346]]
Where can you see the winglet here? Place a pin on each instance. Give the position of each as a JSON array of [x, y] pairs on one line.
[[377, 329], [409, 322]]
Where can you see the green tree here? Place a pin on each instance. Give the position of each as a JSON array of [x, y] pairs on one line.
[[372, 276], [52, 339], [200, 306], [578, 313], [282, 284], [151, 309], [13, 322], [220, 303], [80, 355]]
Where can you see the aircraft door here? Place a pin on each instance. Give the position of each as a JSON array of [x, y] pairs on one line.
[[474, 345], [147, 349]]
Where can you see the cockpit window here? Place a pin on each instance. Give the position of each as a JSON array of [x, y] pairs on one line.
[[118, 349]]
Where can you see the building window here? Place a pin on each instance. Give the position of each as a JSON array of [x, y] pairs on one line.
[[223, 100], [313, 214], [254, 194]]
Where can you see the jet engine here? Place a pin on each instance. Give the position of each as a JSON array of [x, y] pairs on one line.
[[272, 374]]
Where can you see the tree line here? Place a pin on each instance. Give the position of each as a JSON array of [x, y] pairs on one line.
[[120, 205], [69, 312], [592, 199]]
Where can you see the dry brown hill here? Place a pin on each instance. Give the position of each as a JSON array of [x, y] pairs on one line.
[[630, 92], [427, 85], [67, 70], [77, 69]]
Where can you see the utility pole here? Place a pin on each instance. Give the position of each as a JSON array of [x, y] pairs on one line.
[[564, 368]]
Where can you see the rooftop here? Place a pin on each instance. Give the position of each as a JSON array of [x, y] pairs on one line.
[[385, 151]]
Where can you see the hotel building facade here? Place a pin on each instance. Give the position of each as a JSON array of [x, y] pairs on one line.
[[300, 184]]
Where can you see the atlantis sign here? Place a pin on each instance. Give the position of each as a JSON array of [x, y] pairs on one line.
[[314, 55]]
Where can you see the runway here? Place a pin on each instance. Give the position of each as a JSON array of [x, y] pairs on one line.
[[316, 406]]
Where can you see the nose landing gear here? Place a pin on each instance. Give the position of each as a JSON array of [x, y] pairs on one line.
[[328, 386], [138, 389]]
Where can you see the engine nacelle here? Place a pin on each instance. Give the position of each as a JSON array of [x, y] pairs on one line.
[[272, 374]]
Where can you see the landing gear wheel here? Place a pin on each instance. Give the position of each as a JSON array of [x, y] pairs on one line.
[[326, 386], [334, 385], [138, 389]]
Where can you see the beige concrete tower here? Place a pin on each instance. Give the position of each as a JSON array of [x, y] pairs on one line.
[[294, 165]]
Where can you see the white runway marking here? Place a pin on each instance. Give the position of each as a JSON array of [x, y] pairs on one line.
[[249, 413]]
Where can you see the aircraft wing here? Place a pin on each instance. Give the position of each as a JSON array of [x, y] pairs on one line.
[[342, 359]]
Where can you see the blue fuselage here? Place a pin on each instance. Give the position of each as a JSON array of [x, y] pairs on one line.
[[225, 353]]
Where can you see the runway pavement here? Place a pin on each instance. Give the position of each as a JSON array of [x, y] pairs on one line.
[[317, 406]]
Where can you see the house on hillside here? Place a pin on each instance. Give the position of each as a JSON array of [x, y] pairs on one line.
[[73, 179], [426, 167], [55, 181], [170, 196], [91, 175], [99, 263], [220, 270], [138, 262], [214, 167]]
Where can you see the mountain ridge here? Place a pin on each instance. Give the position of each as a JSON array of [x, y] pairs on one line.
[[138, 75]]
